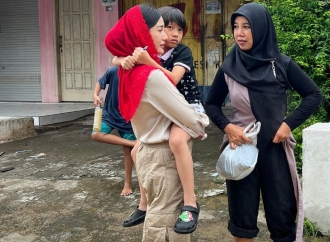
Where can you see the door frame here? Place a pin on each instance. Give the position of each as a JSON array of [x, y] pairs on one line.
[[57, 49], [56, 14]]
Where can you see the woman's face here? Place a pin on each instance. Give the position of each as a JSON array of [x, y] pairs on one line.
[[159, 36], [242, 33]]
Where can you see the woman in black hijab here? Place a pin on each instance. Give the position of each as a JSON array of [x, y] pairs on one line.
[[257, 76]]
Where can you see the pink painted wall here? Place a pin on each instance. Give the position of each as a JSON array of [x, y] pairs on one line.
[[103, 22], [47, 52]]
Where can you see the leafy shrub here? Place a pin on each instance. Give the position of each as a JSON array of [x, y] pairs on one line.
[[309, 228], [303, 32]]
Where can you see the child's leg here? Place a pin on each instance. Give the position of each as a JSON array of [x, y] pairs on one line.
[[127, 190], [178, 144], [128, 161], [134, 151], [112, 139], [143, 198]]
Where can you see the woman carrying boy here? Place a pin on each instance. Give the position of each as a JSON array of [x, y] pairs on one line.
[[177, 64]]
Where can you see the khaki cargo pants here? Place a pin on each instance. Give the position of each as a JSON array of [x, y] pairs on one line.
[[158, 175]]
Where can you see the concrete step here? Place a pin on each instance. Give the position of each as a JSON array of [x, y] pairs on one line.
[[19, 120], [16, 128]]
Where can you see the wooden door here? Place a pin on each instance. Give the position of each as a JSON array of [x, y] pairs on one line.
[[76, 50]]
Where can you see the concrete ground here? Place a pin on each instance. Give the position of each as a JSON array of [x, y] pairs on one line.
[[65, 187]]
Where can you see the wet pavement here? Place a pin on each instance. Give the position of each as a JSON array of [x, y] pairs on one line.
[[65, 187]]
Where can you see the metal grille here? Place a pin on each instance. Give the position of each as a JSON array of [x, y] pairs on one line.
[[19, 51]]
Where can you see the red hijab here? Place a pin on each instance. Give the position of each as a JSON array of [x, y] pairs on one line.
[[131, 31]]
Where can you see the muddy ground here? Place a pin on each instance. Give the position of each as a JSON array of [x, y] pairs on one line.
[[65, 187]]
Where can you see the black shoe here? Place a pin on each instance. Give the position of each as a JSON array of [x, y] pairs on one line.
[[187, 221], [137, 217]]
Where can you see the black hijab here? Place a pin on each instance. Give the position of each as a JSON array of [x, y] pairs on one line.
[[254, 70]]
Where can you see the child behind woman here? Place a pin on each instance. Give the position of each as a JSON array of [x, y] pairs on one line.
[[177, 63], [111, 120]]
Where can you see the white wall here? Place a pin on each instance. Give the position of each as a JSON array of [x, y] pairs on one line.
[[316, 175]]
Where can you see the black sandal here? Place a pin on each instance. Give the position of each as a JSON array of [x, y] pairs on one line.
[[137, 217], [187, 221]]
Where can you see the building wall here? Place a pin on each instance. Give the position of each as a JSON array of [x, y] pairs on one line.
[[104, 21], [49, 90], [48, 20]]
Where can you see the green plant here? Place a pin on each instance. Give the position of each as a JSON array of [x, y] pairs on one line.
[[226, 36], [309, 228], [303, 32]]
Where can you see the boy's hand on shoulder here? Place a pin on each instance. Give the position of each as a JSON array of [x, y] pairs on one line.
[[141, 56], [127, 62]]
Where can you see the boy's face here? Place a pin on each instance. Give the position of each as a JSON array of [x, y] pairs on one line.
[[174, 33]]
